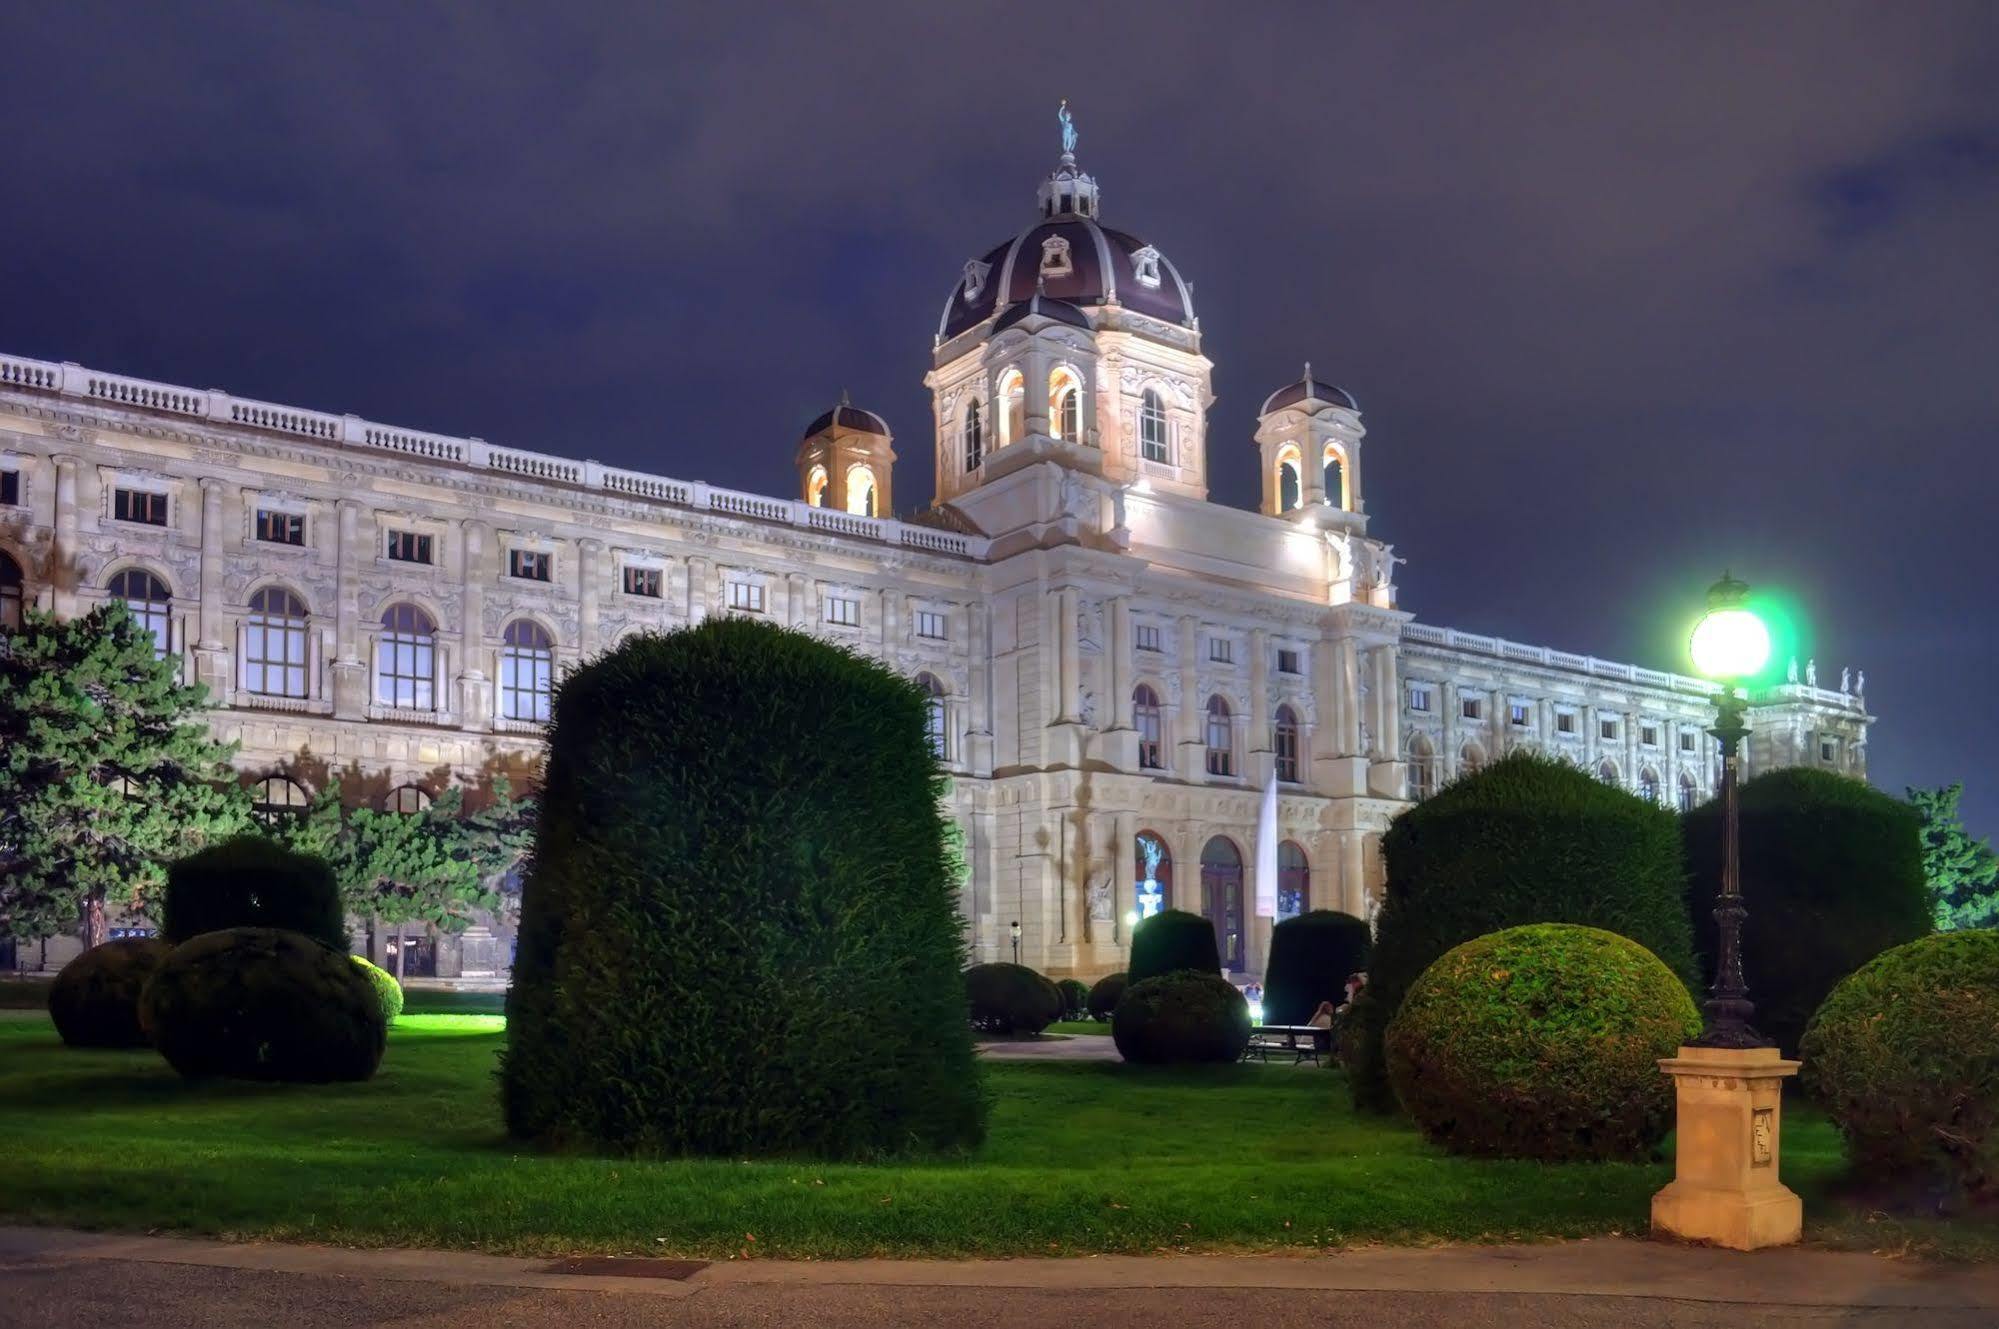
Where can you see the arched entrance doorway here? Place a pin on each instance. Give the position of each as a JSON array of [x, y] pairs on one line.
[[1221, 898]]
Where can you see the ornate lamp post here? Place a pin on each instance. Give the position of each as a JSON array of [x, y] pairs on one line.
[[1728, 1083]]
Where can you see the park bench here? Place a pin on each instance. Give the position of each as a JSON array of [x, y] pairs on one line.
[[1297, 1041]]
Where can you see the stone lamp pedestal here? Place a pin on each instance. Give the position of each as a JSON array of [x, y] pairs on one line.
[[1730, 1114]]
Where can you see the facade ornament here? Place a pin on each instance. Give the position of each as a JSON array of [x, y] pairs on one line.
[[1100, 899], [1812, 673], [1791, 670], [1846, 678], [1860, 684], [1086, 709]]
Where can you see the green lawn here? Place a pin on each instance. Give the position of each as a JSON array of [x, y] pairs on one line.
[[1082, 1158]]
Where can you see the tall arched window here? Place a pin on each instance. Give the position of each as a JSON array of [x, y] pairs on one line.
[[1221, 738], [860, 491], [1149, 720], [1153, 865], [934, 716], [1290, 480], [1471, 759], [1065, 404], [1221, 897], [12, 599], [1284, 744], [1689, 793], [407, 799], [406, 660], [150, 603], [1648, 785], [815, 487], [527, 671], [1013, 407], [1152, 427], [1335, 472], [276, 800], [1294, 880], [274, 644], [1422, 768], [975, 436], [1606, 771]]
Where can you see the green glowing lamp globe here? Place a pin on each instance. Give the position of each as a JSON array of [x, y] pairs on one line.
[[1730, 642]]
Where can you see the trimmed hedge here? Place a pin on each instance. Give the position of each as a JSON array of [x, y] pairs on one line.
[[264, 1004], [387, 990], [1528, 839], [1104, 994], [1832, 874], [1542, 1042], [1172, 940], [1311, 958], [94, 1001], [252, 881], [1905, 1056], [1011, 999], [1075, 998], [739, 934], [1183, 1016]]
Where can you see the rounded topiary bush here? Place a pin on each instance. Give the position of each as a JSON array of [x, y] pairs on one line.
[[1542, 1042], [387, 990], [1528, 839], [1183, 1016], [1905, 1056], [1104, 994], [1172, 940], [740, 934], [252, 881], [94, 1001], [1011, 999], [1311, 958], [1075, 997], [1832, 873], [264, 1004]]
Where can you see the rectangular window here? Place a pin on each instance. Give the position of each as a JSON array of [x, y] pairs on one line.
[[1649, 735], [1828, 749], [409, 547], [643, 581], [10, 488], [1221, 650], [1565, 722], [1473, 708], [746, 596], [1287, 662], [843, 610], [1419, 697], [1607, 729], [280, 528], [139, 505], [1686, 741], [1145, 636], [527, 564], [1519, 714], [930, 625]]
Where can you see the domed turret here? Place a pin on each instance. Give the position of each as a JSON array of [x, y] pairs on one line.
[[846, 461], [1308, 434]]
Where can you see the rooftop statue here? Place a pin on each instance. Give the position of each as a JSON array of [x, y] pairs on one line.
[[1068, 128]]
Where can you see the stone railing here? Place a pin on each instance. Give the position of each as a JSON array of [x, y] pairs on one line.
[[1499, 648], [351, 431]]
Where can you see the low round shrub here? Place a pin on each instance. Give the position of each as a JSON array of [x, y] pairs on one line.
[[1184, 1016], [1542, 1042], [264, 1004], [1075, 998], [1104, 994], [1905, 1056], [1011, 999], [1311, 958], [387, 990], [95, 999], [1172, 940], [252, 881]]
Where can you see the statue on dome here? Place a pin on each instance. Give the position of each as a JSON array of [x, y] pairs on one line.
[[1068, 128]]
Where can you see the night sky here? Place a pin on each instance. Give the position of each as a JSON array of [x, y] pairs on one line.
[[1626, 294]]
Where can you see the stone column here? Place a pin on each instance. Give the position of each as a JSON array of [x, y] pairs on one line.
[[350, 670], [1193, 756], [1388, 706], [1068, 671], [211, 651], [1119, 653], [1260, 749], [891, 621], [1034, 409], [589, 587], [795, 600], [698, 589], [1124, 870], [62, 559], [1348, 692], [475, 710], [979, 740], [1353, 874]]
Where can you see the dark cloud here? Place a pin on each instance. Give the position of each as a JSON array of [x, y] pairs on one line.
[[1627, 292]]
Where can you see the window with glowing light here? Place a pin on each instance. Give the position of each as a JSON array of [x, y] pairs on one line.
[[1149, 720], [406, 660], [275, 645], [975, 436], [1065, 404], [1334, 472], [147, 599], [527, 672], [861, 491], [1290, 482], [1220, 738], [1152, 427], [815, 487]]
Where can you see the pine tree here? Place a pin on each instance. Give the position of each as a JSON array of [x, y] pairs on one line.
[[416, 867], [107, 772], [1963, 873]]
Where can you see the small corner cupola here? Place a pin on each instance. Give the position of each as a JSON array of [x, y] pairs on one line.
[[1068, 191], [1309, 435], [1309, 392], [846, 459]]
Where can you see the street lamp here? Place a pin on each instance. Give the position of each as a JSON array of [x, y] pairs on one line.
[[1013, 930], [1730, 644]]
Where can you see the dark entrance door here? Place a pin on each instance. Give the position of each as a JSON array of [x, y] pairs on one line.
[[1221, 898]]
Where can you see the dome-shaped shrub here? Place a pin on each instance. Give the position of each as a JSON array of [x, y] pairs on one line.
[[1905, 1056], [740, 931], [1529, 839], [264, 1004], [387, 990], [1011, 999], [252, 881], [1542, 1042], [95, 999], [1832, 873], [1183, 1016], [1075, 997], [1311, 958], [1104, 994], [1172, 940]]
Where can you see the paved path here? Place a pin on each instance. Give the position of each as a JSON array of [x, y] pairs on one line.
[[58, 1278], [1050, 1047]]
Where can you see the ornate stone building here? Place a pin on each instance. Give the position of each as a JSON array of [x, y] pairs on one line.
[[1120, 667]]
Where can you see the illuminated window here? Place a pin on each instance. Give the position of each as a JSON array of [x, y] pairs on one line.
[[139, 505], [528, 564], [932, 625], [13, 600], [843, 611], [1290, 486], [1013, 407], [934, 716], [150, 604], [1689, 793], [406, 660], [527, 671], [1152, 427], [407, 799], [1065, 401], [815, 487], [276, 800], [860, 491], [1221, 738], [1519, 714], [274, 645], [1149, 720], [1284, 744], [280, 528], [746, 596], [1294, 881], [409, 547], [643, 581], [1334, 473], [975, 437]]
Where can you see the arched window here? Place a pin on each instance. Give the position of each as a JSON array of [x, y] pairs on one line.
[[274, 644], [1606, 771], [1221, 897], [1153, 863], [407, 799], [1284, 744], [1294, 880], [150, 604], [815, 487], [1290, 480], [1152, 427], [860, 491], [1422, 768], [1148, 719], [527, 671], [1013, 407], [934, 716], [276, 800], [1221, 738], [1471, 759], [975, 436], [12, 599], [1689, 793], [1648, 785], [406, 660], [1065, 404], [1335, 473]]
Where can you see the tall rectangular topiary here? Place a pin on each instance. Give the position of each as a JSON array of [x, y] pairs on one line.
[[1170, 941]]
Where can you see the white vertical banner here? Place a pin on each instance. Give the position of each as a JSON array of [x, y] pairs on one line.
[[1266, 852]]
